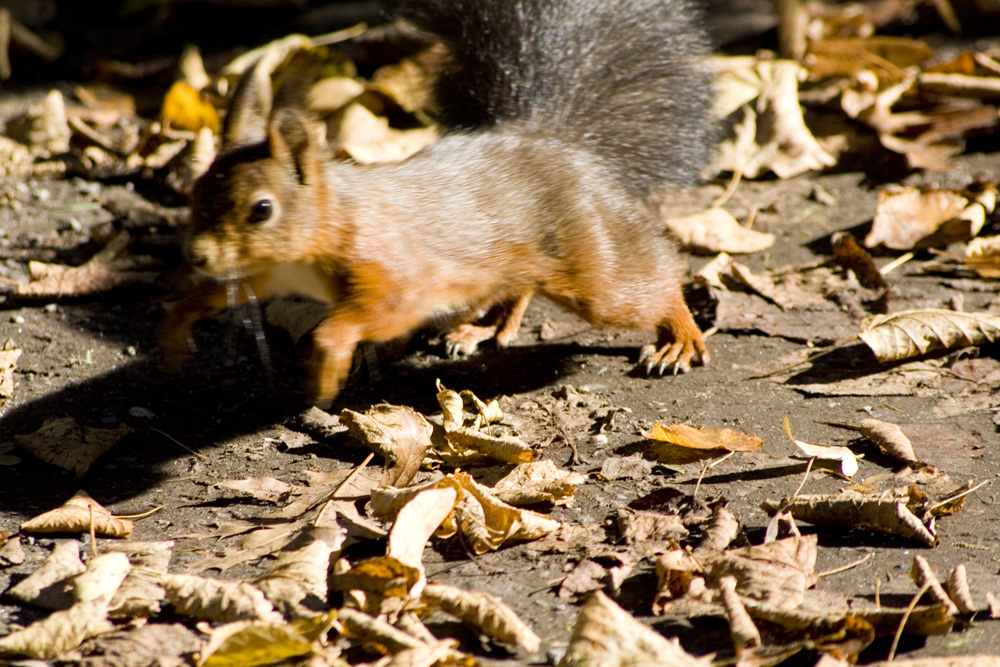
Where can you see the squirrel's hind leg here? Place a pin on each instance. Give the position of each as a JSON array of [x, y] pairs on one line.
[[679, 343], [465, 338]]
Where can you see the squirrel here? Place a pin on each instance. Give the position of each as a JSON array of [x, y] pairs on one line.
[[563, 117]]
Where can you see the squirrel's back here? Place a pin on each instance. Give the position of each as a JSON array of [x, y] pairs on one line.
[[620, 78]]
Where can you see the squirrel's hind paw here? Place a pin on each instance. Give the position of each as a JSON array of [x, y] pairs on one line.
[[675, 357]]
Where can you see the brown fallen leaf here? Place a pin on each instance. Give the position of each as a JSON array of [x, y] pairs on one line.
[[8, 362], [680, 443], [414, 524], [268, 489], [485, 612], [11, 551], [68, 444], [398, 434], [149, 644], [368, 138], [744, 633], [52, 636], [982, 255], [46, 585], [890, 439], [101, 273], [923, 575], [678, 575], [959, 592], [777, 573], [915, 332], [971, 660], [911, 218], [102, 578], [850, 255], [218, 600], [76, 516], [852, 510], [296, 583], [141, 595], [715, 230], [922, 621], [538, 482], [605, 635]]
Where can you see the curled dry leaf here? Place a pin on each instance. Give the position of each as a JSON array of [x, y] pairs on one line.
[[777, 573], [680, 443], [890, 439], [852, 510], [218, 600], [62, 631], [485, 612], [958, 590], [8, 362], [971, 660], [741, 627], [605, 635], [416, 522], [103, 576], [68, 444], [375, 631], [76, 516], [649, 529], [378, 577], [848, 459], [915, 332], [368, 138], [715, 230], [141, 595], [296, 583], [678, 575], [437, 653], [397, 433], [268, 489], [908, 218], [923, 575], [11, 551], [506, 449], [721, 529], [982, 255], [45, 586], [488, 522], [252, 643], [922, 621], [538, 482], [850, 255]]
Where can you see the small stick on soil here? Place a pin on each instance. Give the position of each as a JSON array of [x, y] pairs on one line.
[[844, 568], [902, 622], [179, 444]]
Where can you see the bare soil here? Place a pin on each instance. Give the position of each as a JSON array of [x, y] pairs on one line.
[[96, 360]]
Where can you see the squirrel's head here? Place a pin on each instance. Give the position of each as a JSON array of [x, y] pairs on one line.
[[253, 207]]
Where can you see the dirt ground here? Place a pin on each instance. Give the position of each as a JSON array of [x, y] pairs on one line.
[[95, 359]]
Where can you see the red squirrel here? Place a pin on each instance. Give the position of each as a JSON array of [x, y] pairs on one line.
[[563, 117]]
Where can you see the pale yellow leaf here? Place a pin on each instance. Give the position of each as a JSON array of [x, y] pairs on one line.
[[715, 230], [76, 516]]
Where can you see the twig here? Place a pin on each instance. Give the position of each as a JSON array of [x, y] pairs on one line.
[[902, 623], [706, 468], [729, 191], [179, 443], [141, 515], [844, 568], [957, 496]]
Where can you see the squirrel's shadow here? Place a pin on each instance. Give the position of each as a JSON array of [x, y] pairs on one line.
[[219, 399]]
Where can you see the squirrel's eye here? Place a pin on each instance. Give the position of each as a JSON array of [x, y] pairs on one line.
[[260, 211]]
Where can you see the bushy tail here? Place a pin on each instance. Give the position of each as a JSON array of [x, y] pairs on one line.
[[619, 77]]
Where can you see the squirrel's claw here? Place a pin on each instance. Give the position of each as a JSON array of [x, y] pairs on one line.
[[464, 339], [673, 357]]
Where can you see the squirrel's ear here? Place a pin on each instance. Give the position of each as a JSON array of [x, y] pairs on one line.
[[292, 143], [246, 122]]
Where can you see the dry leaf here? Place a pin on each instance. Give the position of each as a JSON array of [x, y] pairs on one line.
[[721, 529], [958, 590], [253, 643], [649, 529], [741, 627], [678, 575], [910, 218], [605, 635], [777, 573], [8, 362], [923, 575], [46, 586], [68, 444], [368, 138], [848, 459], [487, 522], [378, 578], [943, 661], [398, 434], [376, 632], [50, 637], [890, 439], [854, 511], [141, 595], [186, 109], [11, 551], [416, 521], [849, 254], [296, 583], [268, 489], [772, 135], [538, 482], [982, 255], [715, 230], [915, 332], [485, 612], [218, 600], [102, 578], [506, 449], [686, 436], [76, 515]]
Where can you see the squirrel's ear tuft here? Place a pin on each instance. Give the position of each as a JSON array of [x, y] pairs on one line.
[[292, 142], [246, 122]]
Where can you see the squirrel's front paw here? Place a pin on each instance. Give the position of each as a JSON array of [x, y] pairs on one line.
[[463, 340], [676, 357]]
